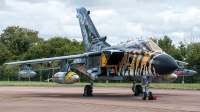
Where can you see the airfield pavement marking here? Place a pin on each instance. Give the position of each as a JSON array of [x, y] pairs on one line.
[[105, 99]]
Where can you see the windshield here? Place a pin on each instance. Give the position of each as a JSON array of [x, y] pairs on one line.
[[146, 47], [154, 46], [151, 46]]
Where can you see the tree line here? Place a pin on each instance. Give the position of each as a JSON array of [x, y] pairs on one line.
[[18, 43]]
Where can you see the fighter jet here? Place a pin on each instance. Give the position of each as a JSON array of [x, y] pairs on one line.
[[140, 59], [26, 72], [184, 72], [181, 71]]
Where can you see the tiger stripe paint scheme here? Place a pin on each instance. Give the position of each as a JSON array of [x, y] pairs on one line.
[[136, 61], [141, 64]]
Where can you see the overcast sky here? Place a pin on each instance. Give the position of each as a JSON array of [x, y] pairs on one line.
[[119, 20]]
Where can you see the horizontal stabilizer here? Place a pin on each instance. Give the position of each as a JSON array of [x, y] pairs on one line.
[[181, 63]]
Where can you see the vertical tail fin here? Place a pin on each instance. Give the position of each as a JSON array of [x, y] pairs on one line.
[[88, 30]]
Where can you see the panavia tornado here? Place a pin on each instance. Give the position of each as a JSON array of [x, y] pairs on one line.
[[181, 71], [184, 72], [137, 60]]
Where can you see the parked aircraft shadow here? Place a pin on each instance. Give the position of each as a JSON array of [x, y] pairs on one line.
[[105, 96]]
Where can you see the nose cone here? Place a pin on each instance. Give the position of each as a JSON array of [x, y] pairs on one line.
[[189, 72], [164, 64], [75, 78]]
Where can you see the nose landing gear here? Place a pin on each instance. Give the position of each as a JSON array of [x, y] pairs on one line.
[[138, 90], [146, 81]]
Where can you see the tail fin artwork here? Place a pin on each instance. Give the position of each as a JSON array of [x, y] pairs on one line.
[[88, 30]]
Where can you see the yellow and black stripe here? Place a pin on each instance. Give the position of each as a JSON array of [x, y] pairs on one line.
[[141, 63]]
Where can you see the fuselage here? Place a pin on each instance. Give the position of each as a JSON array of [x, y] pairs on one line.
[[137, 58]]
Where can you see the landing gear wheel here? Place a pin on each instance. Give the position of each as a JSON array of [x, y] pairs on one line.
[[88, 90], [150, 96], [144, 95], [138, 90]]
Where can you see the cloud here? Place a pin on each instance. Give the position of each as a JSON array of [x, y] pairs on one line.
[[119, 20]]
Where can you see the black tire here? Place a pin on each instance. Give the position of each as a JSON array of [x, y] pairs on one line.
[[144, 95], [150, 96], [138, 90], [87, 90]]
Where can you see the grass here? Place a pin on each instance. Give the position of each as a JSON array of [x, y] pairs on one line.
[[129, 85]]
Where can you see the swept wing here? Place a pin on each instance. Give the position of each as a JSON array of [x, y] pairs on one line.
[[70, 57]]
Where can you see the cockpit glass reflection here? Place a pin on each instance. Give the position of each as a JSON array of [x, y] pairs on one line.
[[146, 47], [154, 46]]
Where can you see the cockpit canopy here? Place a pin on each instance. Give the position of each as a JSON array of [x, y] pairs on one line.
[[151, 46], [144, 46], [134, 46]]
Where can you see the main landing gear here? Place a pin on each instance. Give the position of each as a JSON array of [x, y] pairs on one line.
[[139, 91], [88, 89]]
